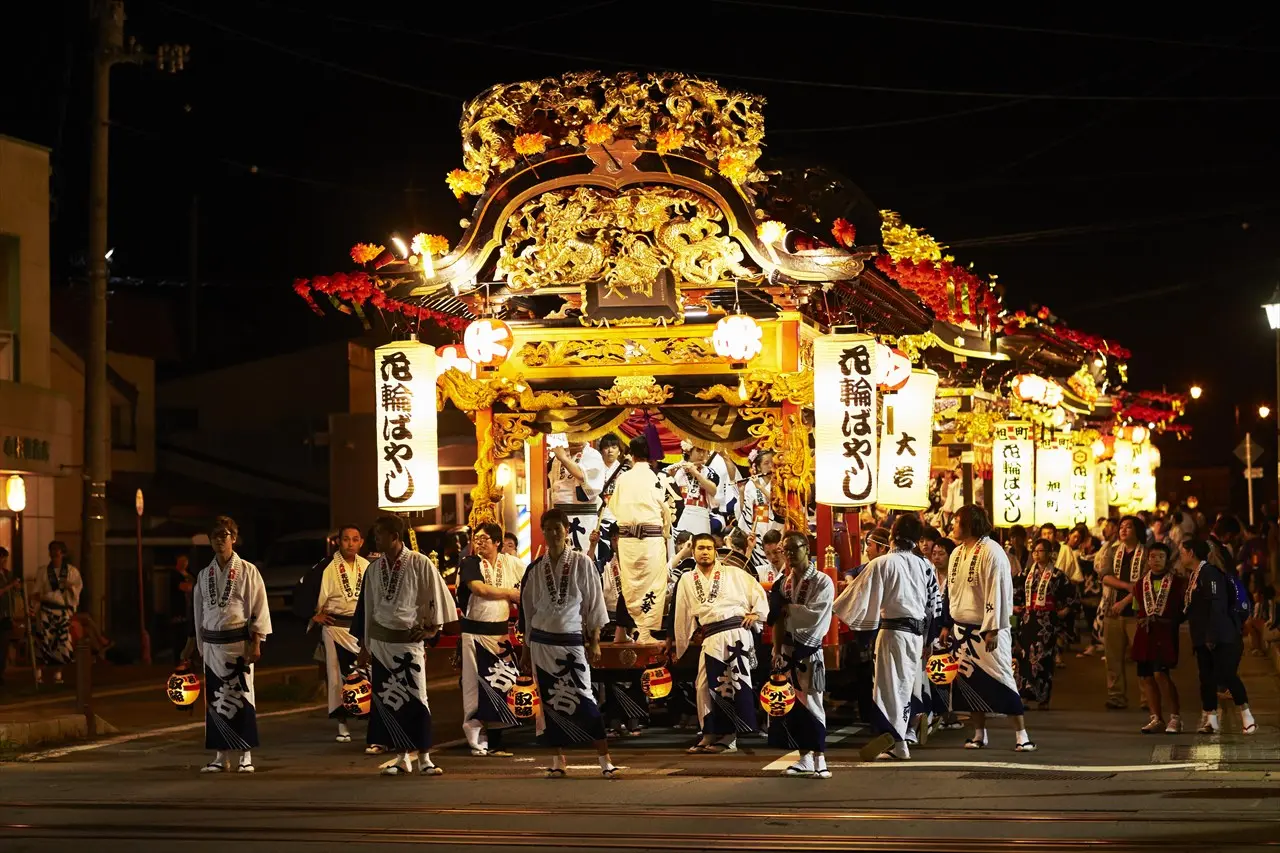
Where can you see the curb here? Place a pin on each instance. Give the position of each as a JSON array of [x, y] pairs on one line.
[[51, 730]]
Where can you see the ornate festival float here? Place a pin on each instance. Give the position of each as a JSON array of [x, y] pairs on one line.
[[629, 262]]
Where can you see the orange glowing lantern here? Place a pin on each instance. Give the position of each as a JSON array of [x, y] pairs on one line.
[[523, 699], [656, 681], [943, 668], [357, 694], [183, 687], [488, 342], [778, 697]]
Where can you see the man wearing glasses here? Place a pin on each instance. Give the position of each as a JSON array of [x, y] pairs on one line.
[[231, 621]]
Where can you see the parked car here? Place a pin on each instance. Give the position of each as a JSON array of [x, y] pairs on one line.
[[286, 563]]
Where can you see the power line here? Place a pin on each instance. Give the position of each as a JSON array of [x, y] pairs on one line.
[[1017, 28], [758, 78], [218, 25], [1074, 230]]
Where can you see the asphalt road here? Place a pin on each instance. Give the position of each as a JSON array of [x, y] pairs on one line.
[[1095, 782]]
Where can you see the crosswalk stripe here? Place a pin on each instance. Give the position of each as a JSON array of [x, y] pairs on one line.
[[832, 737]]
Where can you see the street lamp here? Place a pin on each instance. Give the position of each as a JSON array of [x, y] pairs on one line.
[[142, 598], [1272, 307], [1196, 391], [1263, 411]]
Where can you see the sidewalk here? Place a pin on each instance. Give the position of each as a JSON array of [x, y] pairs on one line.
[[124, 699]]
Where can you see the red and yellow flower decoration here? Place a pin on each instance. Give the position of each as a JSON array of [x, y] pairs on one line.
[[429, 244], [360, 289], [597, 133], [528, 144], [734, 168], [843, 232], [668, 140], [463, 182], [363, 253]]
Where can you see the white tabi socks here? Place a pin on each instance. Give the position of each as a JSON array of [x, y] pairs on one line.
[[1249, 725], [427, 768], [820, 767], [246, 762]]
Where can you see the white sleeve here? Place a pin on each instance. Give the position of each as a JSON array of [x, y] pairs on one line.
[[808, 623], [255, 599], [859, 605], [594, 614], [75, 586], [436, 606], [684, 614], [757, 601], [997, 585], [592, 476], [328, 587], [197, 606]]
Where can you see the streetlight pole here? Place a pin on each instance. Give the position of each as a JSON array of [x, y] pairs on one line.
[[142, 590], [1272, 307]]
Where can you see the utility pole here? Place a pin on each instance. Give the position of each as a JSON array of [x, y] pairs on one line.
[[109, 49]]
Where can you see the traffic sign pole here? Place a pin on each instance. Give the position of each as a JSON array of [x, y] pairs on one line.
[[1248, 454]]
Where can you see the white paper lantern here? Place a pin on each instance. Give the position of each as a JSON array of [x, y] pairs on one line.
[[405, 408], [453, 357], [1122, 485], [893, 368], [738, 338], [1083, 486], [1013, 474], [487, 341], [906, 443], [15, 493], [1053, 483], [844, 414]]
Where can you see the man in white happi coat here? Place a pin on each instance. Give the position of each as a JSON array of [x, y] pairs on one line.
[[577, 479], [487, 587], [561, 614], [335, 607], [800, 613], [644, 519], [755, 510], [54, 598], [980, 593], [231, 619], [891, 594], [405, 603], [699, 488], [725, 606], [610, 448]]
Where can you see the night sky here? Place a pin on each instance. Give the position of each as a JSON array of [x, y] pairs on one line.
[[1121, 171]]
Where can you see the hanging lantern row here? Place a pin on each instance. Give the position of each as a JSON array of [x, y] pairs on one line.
[[1036, 389]]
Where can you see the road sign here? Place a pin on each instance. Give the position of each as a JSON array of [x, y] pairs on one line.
[[1253, 473], [1248, 451]]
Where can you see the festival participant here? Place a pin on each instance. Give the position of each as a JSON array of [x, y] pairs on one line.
[[405, 603], [724, 605], [487, 582], [891, 595], [755, 510], [231, 620], [54, 600], [1120, 580], [773, 552], [339, 592], [800, 613], [699, 487], [1160, 597], [980, 594], [610, 448], [1047, 600], [1210, 603], [561, 614], [577, 478], [644, 518], [511, 545]]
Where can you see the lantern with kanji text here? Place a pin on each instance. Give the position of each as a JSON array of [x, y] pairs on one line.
[[656, 682], [183, 687], [523, 699], [778, 697], [942, 668], [357, 694]]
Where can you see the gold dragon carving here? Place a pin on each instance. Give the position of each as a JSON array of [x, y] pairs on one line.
[[765, 387], [506, 435], [716, 122], [471, 395], [586, 234], [594, 353]]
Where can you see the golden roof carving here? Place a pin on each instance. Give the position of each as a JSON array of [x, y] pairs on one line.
[[665, 351], [719, 123], [635, 391]]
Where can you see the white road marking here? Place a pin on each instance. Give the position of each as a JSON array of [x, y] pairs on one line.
[[792, 757], [1054, 768]]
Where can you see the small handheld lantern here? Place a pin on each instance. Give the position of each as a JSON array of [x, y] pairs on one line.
[[357, 694], [656, 681], [523, 699], [778, 697], [942, 668], [183, 687]]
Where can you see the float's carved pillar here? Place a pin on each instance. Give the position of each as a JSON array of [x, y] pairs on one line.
[[482, 496]]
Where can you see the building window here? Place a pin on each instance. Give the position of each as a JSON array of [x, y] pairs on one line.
[[124, 427]]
